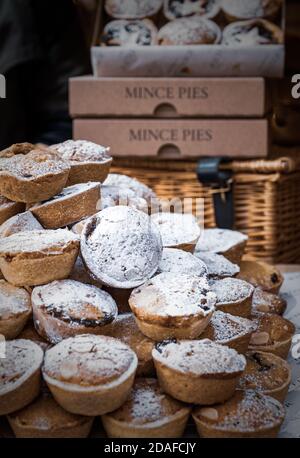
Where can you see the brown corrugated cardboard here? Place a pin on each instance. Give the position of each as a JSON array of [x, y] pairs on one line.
[[167, 97], [177, 138]]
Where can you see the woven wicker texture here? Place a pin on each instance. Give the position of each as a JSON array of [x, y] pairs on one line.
[[266, 196]]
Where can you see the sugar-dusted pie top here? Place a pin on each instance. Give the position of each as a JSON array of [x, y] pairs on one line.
[[248, 9], [176, 228], [82, 151], [224, 327], [37, 163], [263, 301], [219, 240], [264, 372], [46, 415], [231, 290], [246, 411], [135, 32], [22, 358], [75, 303], [179, 261], [252, 32], [271, 329], [125, 328], [40, 243], [146, 404], [217, 265], [88, 360], [124, 181], [182, 8], [188, 31], [170, 295], [22, 222], [199, 357], [121, 246], [115, 195], [132, 9], [13, 300]]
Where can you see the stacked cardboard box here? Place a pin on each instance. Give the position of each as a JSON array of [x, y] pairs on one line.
[[176, 118]]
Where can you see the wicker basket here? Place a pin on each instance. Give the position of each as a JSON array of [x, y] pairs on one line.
[[266, 196]]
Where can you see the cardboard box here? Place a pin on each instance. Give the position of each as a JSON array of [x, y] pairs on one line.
[[190, 60], [167, 97], [175, 139]]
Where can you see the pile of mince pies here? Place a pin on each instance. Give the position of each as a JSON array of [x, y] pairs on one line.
[[191, 22], [140, 318]]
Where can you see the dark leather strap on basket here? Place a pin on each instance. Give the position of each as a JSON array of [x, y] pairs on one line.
[[210, 173]]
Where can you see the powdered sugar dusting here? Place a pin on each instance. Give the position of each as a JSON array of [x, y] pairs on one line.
[[22, 358], [132, 9], [4, 202], [75, 302], [225, 327], [174, 295], [183, 8], [248, 411], [115, 195], [246, 9], [179, 261], [13, 300], [230, 290], [187, 31], [217, 265], [43, 242], [130, 32], [121, 247], [123, 181], [219, 240], [82, 151], [199, 357], [176, 228], [88, 360], [33, 165], [147, 403], [23, 222]]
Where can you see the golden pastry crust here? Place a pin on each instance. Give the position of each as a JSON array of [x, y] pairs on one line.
[[73, 204], [173, 305], [67, 308], [29, 333], [193, 30], [266, 373], [9, 209], [80, 273], [246, 414], [132, 9], [15, 309], [38, 257], [125, 328], [263, 301], [32, 176], [273, 335], [234, 296], [23, 222], [148, 412], [125, 32], [174, 9], [260, 274], [20, 375], [198, 371], [232, 331], [44, 418], [90, 375], [89, 162]]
